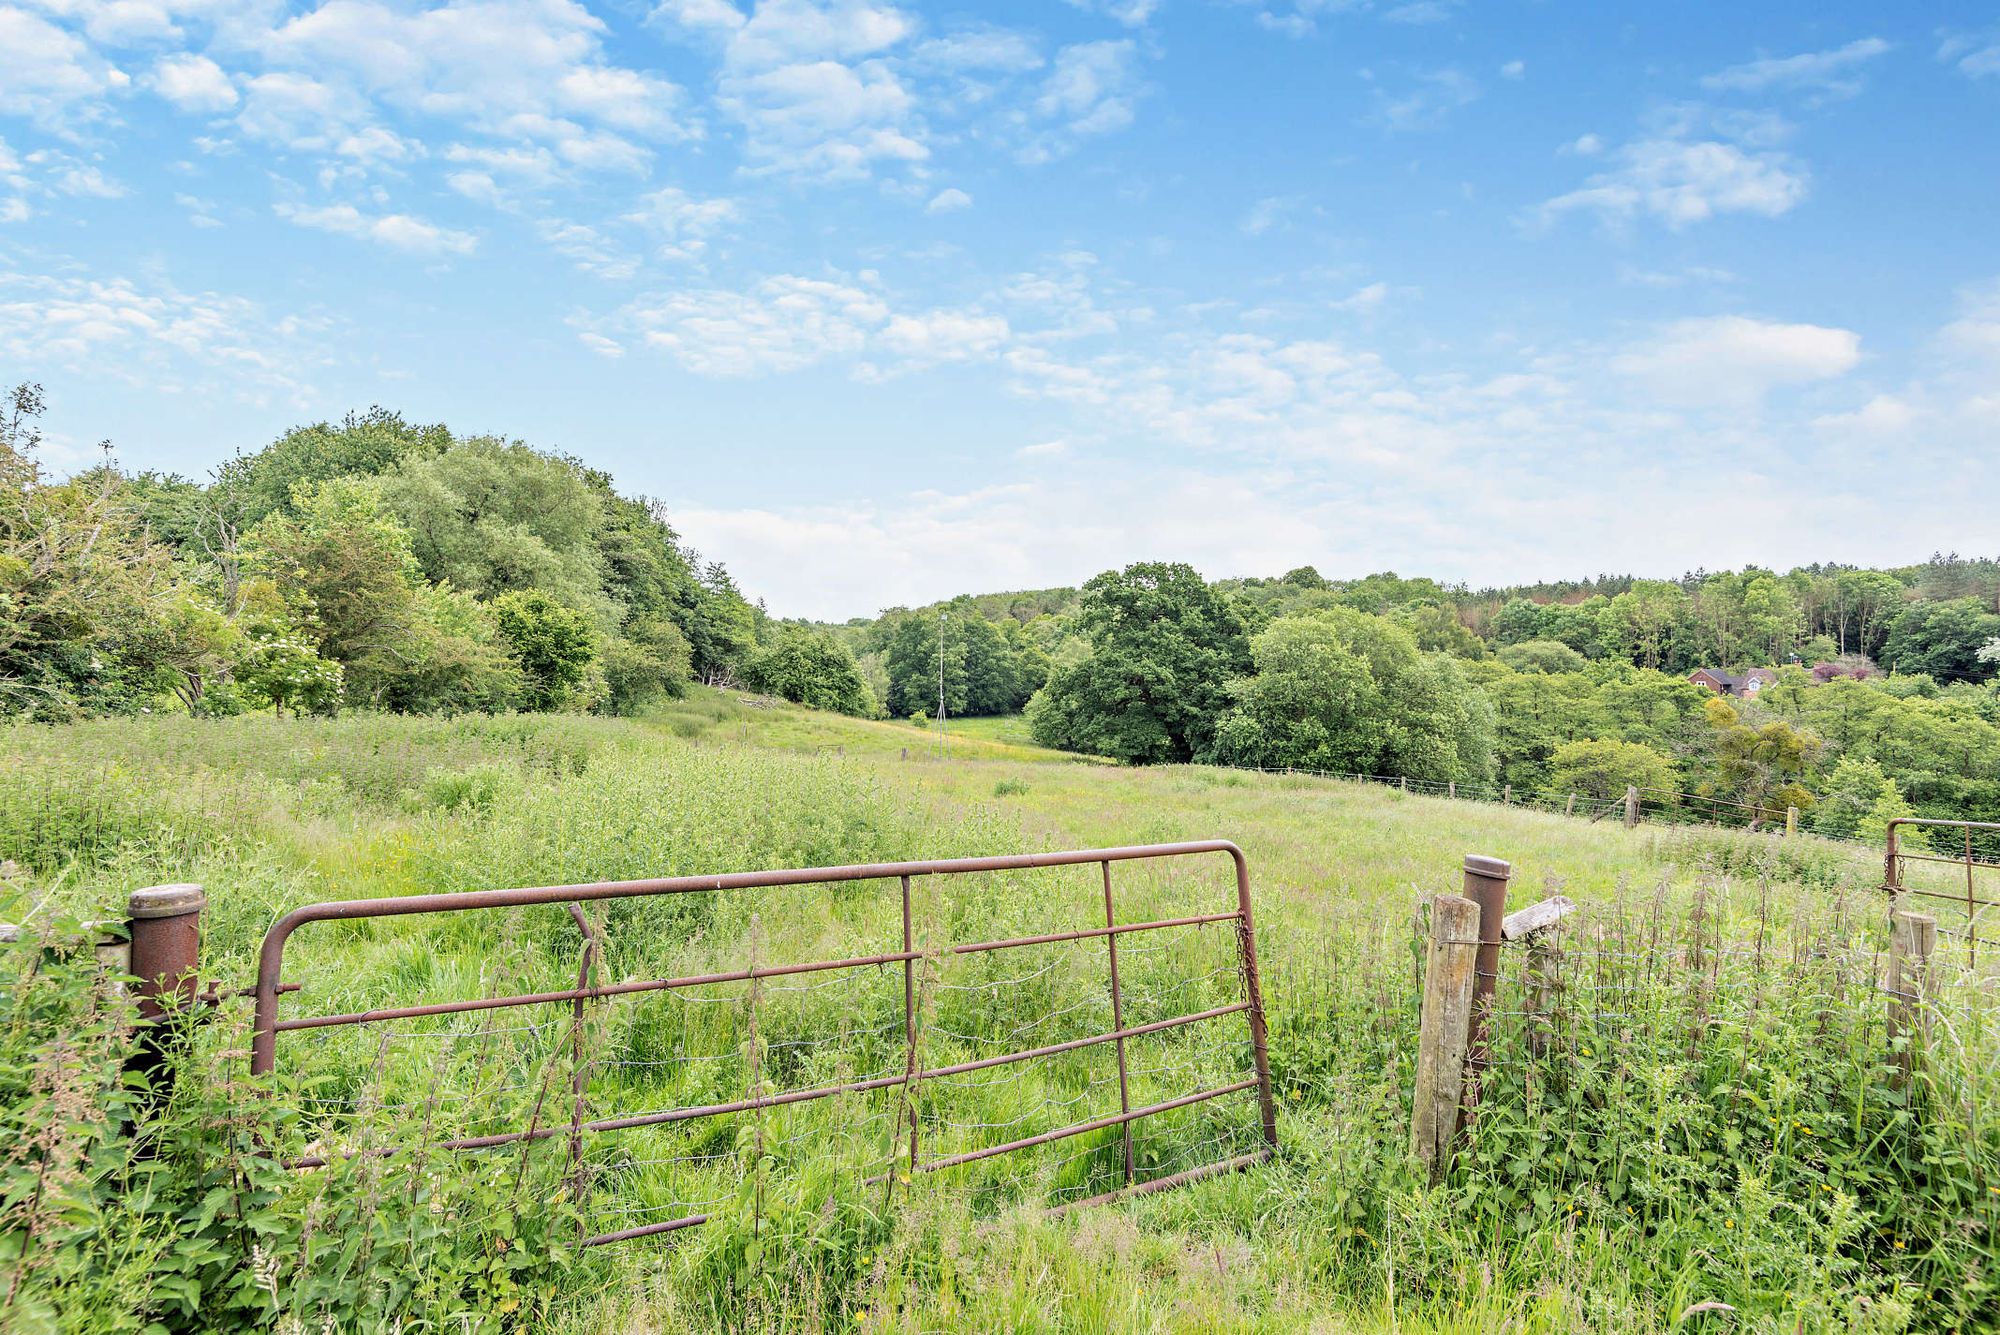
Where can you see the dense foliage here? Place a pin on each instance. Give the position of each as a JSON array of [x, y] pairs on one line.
[[1891, 669], [371, 563]]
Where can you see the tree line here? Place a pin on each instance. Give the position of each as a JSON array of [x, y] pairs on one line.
[[371, 563], [1406, 677]]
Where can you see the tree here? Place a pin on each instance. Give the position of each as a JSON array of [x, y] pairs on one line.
[[1851, 792], [1646, 623], [811, 668], [1542, 656], [80, 581], [1865, 602], [1338, 690], [1762, 766], [1519, 621], [1603, 770], [282, 668], [1163, 650], [1942, 640], [551, 644], [361, 446], [648, 662]]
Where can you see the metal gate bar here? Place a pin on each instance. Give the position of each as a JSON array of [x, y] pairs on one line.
[[1896, 857], [271, 961]]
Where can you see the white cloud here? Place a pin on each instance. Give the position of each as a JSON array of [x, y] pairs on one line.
[[1426, 103], [520, 70], [1047, 449], [89, 181], [1973, 56], [192, 83], [681, 223], [151, 333], [1681, 181], [824, 118], [1732, 361], [398, 231], [1265, 214], [948, 201], [1514, 69], [945, 336], [591, 251], [784, 323], [1365, 301], [1829, 73], [1131, 13], [297, 111], [47, 72]]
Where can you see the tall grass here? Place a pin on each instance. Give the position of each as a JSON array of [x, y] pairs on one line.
[[1707, 1118]]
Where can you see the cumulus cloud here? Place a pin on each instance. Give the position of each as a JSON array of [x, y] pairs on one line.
[[948, 201], [398, 231], [48, 73], [1733, 361], [1680, 180], [680, 223], [192, 83]]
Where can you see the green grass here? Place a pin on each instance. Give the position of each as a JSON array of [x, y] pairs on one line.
[[1652, 1160]]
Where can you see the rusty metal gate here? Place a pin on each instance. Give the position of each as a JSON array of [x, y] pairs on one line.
[[919, 961], [1954, 862]]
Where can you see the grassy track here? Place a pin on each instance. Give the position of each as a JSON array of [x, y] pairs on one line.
[[1699, 1136]]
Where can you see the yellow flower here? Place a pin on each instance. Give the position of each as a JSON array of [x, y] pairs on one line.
[[904, 1178], [1586, 1052], [1297, 1094], [1729, 1223], [1899, 1244]]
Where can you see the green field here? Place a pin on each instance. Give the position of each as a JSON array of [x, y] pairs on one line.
[[1712, 1121]]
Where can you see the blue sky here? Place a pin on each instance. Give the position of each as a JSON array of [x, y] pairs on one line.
[[890, 302]]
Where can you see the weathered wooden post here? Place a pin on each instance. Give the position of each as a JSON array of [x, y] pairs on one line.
[[1405, 782], [1912, 940], [1631, 806], [1569, 807], [164, 923], [1485, 885], [1443, 1030], [1532, 925], [1507, 795], [1791, 822], [1451, 788]]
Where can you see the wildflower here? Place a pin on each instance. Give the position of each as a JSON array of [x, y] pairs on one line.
[[1729, 1223], [1296, 1094], [1899, 1244], [1586, 1052], [904, 1178]]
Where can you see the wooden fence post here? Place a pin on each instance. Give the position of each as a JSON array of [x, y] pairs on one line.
[[1451, 788], [1444, 1030], [1507, 795], [1791, 822], [1485, 885], [1631, 806], [1569, 807], [1405, 782], [1912, 939]]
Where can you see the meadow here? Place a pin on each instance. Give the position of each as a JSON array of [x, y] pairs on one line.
[[1706, 1134]]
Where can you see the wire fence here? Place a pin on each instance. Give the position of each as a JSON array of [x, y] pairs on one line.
[[1645, 804]]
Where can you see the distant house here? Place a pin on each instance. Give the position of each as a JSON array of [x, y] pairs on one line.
[[1745, 683]]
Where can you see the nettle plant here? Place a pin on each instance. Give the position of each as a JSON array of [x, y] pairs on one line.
[[128, 1209]]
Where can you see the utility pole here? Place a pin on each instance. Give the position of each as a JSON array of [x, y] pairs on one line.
[[944, 733]]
